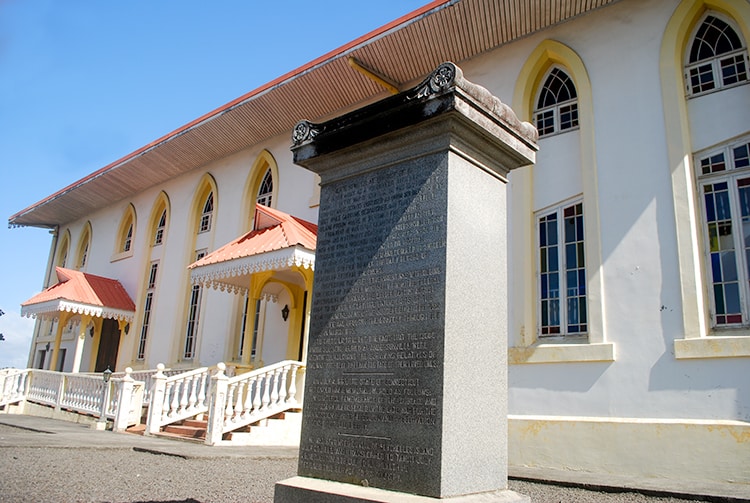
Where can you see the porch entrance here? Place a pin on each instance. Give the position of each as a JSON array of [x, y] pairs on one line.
[[108, 346]]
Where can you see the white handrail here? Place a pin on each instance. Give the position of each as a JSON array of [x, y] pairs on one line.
[[250, 397], [177, 397], [12, 386], [84, 393]]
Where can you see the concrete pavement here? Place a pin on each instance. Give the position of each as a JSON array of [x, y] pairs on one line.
[[29, 431]]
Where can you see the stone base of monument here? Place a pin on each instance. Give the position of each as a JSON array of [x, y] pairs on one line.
[[310, 490]]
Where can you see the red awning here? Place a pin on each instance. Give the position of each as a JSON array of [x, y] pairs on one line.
[[278, 241], [82, 293]]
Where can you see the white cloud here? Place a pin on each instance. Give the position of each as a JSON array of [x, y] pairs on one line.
[[18, 332]]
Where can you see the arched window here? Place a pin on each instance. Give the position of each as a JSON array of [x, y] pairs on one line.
[[126, 233], [717, 57], [265, 191], [62, 254], [262, 186], [159, 233], [83, 247], [208, 210], [128, 242], [557, 105]]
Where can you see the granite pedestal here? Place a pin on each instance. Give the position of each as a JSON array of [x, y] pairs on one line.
[[406, 388]]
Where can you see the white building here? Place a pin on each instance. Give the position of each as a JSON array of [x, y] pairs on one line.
[[629, 258]]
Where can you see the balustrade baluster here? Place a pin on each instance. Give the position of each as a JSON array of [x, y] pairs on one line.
[[82, 396], [266, 391], [168, 395], [240, 396], [247, 407], [229, 412], [256, 393], [275, 388], [293, 386], [171, 395], [184, 394], [202, 389], [282, 386], [193, 394]]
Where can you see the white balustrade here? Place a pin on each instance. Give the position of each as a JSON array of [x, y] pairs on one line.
[[176, 397], [250, 397], [82, 393], [12, 386]]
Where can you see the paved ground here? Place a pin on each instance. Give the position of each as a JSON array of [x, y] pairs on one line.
[[47, 460]]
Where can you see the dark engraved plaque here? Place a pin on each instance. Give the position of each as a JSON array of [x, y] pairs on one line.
[[374, 372]]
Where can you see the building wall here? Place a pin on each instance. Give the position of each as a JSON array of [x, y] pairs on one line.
[[627, 376], [620, 48], [218, 322]]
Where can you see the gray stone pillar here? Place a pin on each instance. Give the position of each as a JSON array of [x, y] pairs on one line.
[[406, 387]]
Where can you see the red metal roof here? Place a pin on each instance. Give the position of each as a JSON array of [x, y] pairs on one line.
[[82, 293], [273, 230]]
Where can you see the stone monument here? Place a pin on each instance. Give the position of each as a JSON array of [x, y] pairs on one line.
[[406, 391]]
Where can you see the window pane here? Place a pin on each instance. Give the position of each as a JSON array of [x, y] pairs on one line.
[[554, 260], [719, 299], [723, 211], [563, 282], [545, 122], [554, 285], [732, 292], [702, 78], [572, 313], [571, 259], [568, 116], [741, 156], [729, 267], [710, 209], [733, 69], [552, 231]]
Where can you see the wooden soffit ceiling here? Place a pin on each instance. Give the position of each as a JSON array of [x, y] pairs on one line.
[[401, 52]]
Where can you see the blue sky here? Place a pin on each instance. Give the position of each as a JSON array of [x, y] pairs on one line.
[[83, 83]]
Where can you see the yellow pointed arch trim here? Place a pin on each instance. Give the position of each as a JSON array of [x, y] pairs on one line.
[[526, 347], [547, 54]]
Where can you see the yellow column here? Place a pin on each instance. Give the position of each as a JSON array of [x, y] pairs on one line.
[[85, 320], [61, 321]]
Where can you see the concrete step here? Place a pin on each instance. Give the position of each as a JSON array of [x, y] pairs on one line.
[[181, 438], [186, 431], [280, 430], [196, 423], [138, 429]]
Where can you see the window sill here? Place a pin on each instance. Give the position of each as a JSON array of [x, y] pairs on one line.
[[713, 346], [561, 353], [121, 256]]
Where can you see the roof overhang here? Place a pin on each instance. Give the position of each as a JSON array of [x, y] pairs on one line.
[[52, 308], [401, 53], [234, 275]]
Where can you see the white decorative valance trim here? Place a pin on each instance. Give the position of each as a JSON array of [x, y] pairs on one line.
[[51, 308], [216, 275]]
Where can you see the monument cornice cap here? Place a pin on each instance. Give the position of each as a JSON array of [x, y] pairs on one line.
[[435, 95]]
